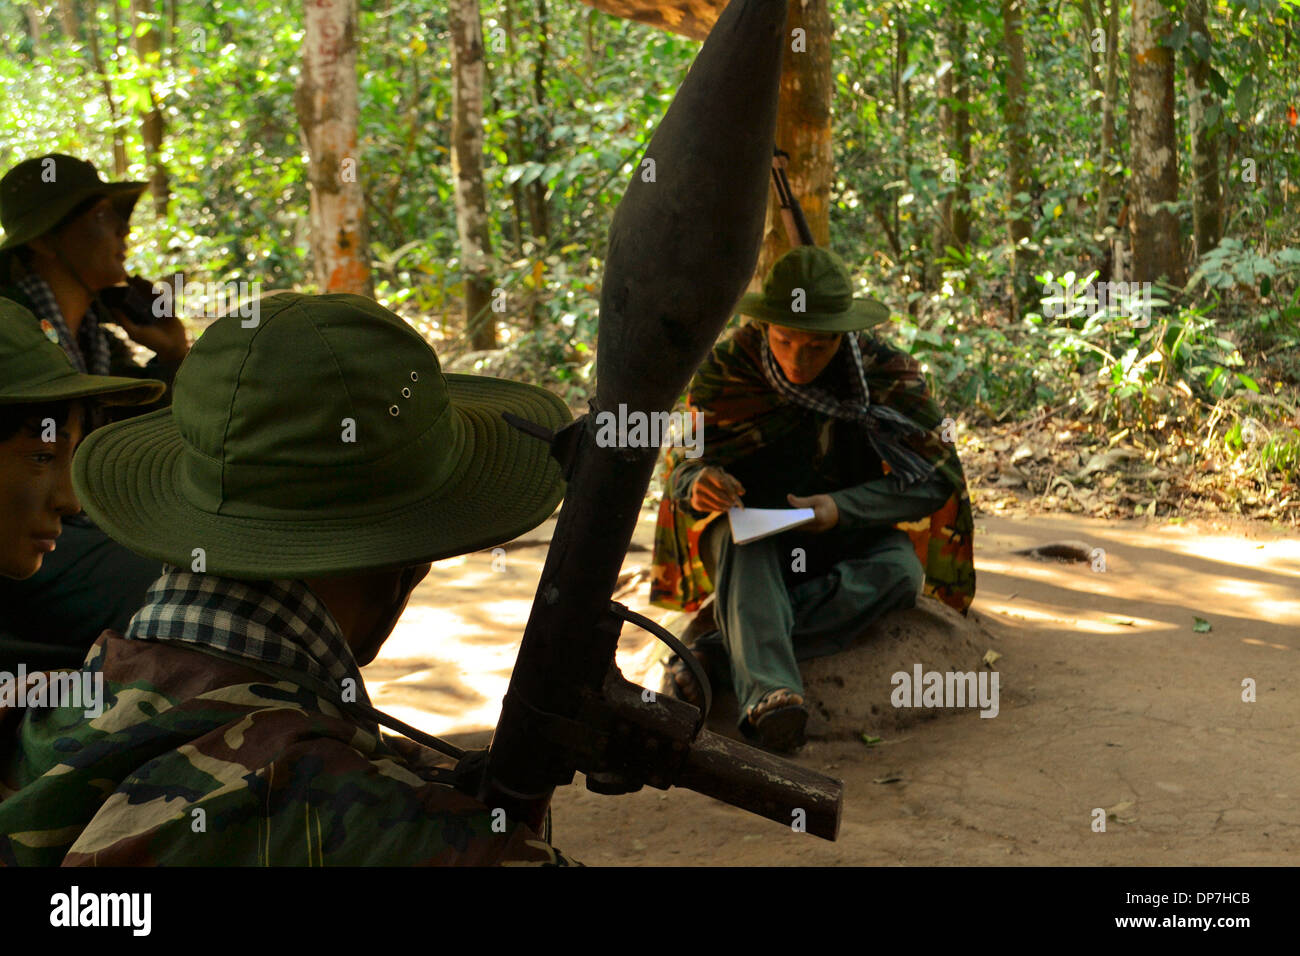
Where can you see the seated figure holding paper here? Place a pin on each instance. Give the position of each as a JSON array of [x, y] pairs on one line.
[[804, 410]]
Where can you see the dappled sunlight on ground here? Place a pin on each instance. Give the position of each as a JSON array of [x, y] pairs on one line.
[[447, 665]]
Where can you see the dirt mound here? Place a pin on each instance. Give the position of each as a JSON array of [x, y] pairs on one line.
[[851, 691]]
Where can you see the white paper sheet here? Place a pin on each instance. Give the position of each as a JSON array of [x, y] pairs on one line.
[[751, 524]]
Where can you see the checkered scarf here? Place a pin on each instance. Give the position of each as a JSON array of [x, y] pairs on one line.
[[883, 425], [280, 622], [90, 341]]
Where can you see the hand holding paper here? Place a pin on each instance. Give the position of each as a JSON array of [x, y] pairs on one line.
[[825, 508]]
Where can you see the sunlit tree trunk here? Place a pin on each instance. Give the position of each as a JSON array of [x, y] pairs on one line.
[[1106, 179], [952, 227], [152, 125], [1206, 209], [803, 129], [35, 28], [467, 91], [326, 100], [1018, 145], [1154, 157], [106, 84], [540, 214]]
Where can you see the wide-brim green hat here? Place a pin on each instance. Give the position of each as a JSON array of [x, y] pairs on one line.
[[34, 369], [318, 436], [37, 193], [809, 288]]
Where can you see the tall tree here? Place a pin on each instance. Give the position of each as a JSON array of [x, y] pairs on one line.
[[952, 226], [1018, 145], [1106, 176], [69, 17], [540, 214], [326, 101], [1152, 227], [152, 125], [803, 128], [467, 91], [1207, 210]]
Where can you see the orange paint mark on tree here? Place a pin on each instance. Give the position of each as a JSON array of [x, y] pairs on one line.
[[348, 276]]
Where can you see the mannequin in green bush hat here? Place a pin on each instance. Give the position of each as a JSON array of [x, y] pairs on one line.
[[308, 471], [43, 403], [805, 409], [65, 243], [65, 232]]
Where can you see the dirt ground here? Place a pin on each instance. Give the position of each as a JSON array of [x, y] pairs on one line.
[[1109, 700]]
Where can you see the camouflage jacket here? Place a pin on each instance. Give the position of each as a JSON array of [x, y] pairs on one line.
[[198, 759], [749, 428]]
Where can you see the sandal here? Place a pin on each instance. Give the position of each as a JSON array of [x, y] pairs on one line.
[[685, 686], [778, 720]]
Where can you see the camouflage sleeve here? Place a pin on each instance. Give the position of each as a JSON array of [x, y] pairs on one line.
[[314, 801], [681, 480]]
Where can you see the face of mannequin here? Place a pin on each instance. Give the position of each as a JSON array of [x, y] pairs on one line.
[[35, 494], [367, 606], [93, 244], [802, 355]]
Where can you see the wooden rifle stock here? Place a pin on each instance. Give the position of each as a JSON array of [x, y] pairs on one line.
[[796, 226]]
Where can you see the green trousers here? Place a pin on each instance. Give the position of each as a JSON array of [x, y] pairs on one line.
[[794, 596]]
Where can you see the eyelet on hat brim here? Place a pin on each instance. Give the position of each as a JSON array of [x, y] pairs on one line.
[[862, 314], [505, 483]]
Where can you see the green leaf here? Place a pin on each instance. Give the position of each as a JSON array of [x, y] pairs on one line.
[[1247, 381], [1200, 625], [871, 741], [1178, 35], [1245, 97], [1218, 83]]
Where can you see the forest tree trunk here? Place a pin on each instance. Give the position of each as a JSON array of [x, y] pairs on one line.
[[1018, 146], [468, 75], [326, 101], [1106, 179], [1206, 196], [803, 129], [152, 125], [1153, 228]]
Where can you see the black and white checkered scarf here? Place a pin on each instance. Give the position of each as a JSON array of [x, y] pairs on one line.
[[279, 622], [89, 349], [884, 425]]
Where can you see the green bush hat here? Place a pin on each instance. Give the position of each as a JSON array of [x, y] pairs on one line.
[[34, 369], [322, 440], [37, 193], [827, 300]]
